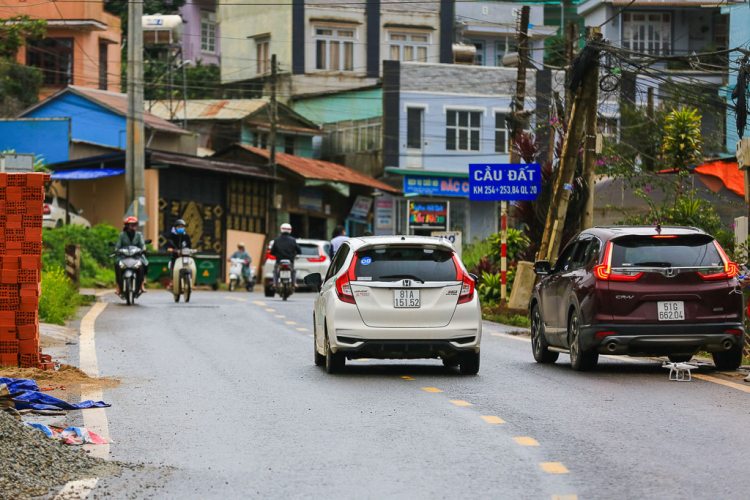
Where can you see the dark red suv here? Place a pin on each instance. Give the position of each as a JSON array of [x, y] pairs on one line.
[[639, 291]]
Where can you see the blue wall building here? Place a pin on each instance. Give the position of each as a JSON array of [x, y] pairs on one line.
[[46, 138]]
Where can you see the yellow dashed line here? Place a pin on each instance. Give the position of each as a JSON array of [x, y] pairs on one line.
[[407, 378], [526, 441], [271, 310], [280, 316], [302, 330], [491, 419], [311, 336], [238, 299], [719, 381], [291, 322], [554, 468], [564, 497], [258, 303], [458, 402], [431, 389]]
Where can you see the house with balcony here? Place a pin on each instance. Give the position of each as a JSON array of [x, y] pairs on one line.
[[201, 34], [739, 35], [81, 46]]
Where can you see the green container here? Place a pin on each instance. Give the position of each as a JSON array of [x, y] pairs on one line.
[[158, 267], [208, 266]]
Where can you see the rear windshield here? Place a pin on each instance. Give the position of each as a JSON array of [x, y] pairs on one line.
[[396, 263], [308, 249], [685, 251]]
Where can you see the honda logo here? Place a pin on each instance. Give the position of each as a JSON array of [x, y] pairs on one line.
[[406, 283], [670, 273]]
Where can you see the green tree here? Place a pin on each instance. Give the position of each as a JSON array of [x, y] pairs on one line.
[[201, 81], [16, 30], [682, 138], [19, 84]]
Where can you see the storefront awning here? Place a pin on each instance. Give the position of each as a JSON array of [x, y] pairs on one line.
[[84, 174]]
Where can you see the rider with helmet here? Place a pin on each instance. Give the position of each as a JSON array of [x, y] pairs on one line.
[[176, 241], [130, 236], [285, 247]]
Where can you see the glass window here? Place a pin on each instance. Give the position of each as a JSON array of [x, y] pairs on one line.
[[504, 46], [208, 31], [466, 135], [334, 49], [54, 56], [338, 261], [683, 251], [103, 71], [262, 58], [394, 263], [479, 57], [647, 32], [309, 249], [289, 145], [408, 47], [565, 261], [414, 128], [502, 145]]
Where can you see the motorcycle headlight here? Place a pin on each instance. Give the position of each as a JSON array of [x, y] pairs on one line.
[[137, 265], [121, 265]]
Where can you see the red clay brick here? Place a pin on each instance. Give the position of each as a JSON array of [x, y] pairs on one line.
[[8, 359], [28, 332]]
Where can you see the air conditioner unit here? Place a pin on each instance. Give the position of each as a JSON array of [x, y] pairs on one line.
[[743, 153]]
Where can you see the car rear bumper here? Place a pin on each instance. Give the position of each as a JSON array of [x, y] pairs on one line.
[[661, 339], [408, 349]]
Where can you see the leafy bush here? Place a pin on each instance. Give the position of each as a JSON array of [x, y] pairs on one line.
[[59, 300], [490, 288], [96, 263], [472, 254], [687, 210], [516, 243]]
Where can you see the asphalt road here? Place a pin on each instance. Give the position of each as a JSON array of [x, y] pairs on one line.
[[220, 399]]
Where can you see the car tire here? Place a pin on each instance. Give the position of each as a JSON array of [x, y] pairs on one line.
[[580, 360], [269, 292], [334, 362], [680, 358], [539, 347], [727, 361], [470, 364]]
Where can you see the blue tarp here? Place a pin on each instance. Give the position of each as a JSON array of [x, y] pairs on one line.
[[86, 174], [32, 399]]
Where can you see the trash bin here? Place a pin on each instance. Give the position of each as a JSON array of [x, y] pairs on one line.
[[158, 267], [209, 269]]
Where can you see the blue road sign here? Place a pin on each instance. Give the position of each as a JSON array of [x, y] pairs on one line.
[[504, 182]]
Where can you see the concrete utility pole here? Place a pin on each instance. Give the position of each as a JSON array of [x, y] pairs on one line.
[[272, 216], [571, 36], [134, 153], [553, 228], [589, 145], [649, 161]]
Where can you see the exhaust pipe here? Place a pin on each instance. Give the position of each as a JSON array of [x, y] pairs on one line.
[[612, 346], [727, 344]]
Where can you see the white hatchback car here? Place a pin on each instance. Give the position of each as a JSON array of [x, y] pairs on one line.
[[396, 297], [54, 213], [314, 259]]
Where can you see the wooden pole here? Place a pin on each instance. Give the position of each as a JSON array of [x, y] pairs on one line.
[[589, 148], [523, 55], [503, 250], [571, 36]]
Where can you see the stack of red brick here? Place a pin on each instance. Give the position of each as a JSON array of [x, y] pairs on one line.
[[21, 202]]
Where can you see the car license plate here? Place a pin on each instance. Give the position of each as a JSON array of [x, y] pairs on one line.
[[671, 311], [406, 298], [285, 275]]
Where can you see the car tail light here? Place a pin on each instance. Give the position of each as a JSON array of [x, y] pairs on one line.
[[46, 210], [321, 258], [285, 267], [730, 268], [467, 282], [343, 284], [736, 333], [601, 335], [604, 270], [665, 236]]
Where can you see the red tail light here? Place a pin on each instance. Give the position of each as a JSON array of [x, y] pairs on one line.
[[665, 236], [46, 210], [321, 258], [269, 256], [285, 267], [604, 270], [467, 282], [730, 268], [343, 284]]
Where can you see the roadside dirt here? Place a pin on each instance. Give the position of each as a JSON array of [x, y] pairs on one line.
[[66, 376]]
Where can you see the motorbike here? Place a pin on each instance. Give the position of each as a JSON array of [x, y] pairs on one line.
[[285, 288], [183, 274], [236, 277], [130, 264]]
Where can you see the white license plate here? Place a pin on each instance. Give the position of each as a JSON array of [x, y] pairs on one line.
[[406, 298], [671, 311], [285, 275]]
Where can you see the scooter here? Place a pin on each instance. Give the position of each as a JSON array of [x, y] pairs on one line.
[[285, 287], [236, 277], [130, 264], [183, 274]]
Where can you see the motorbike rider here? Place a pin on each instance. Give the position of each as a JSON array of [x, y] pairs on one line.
[[130, 236], [176, 241], [285, 247], [241, 253]]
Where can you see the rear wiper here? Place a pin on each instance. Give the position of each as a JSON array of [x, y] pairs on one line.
[[403, 277]]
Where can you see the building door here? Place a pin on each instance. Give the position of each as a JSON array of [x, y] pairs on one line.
[[414, 138]]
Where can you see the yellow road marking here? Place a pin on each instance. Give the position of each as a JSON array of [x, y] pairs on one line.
[[554, 468], [516, 337], [257, 303], [491, 419], [431, 389], [302, 330], [458, 402], [363, 359], [280, 316], [94, 419], [291, 322], [311, 336], [719, 381], [238, 299], [564, 497], [526, 441], [271, 310], [407, 378]]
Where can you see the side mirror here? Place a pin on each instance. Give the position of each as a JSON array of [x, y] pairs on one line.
[[314, 280], [542, 268], [148, 241], [474, 277], [80, 211], [111, 243]]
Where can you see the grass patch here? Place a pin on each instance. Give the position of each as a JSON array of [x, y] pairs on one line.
[[59, 300], [510, 320]]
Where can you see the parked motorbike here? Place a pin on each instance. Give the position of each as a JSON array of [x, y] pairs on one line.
[[285, 288], [236, 277], [131, 285], [183, 274]]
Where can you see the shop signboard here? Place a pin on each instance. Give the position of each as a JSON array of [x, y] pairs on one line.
[[436, 186], [311, 199], [505, 182], [428, 215], [361, 208], [384, 214]]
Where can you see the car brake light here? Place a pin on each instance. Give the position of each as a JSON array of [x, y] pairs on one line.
[[46, 210], [604, 270], [736, 333], [601, 335], [343, 284], [730, 268], [321, 258], [665, 236], [467, 282]]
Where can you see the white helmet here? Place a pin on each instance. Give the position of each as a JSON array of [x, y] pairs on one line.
[[286, 228]]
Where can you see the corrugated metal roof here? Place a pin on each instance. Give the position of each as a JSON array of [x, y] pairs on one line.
[[206, 109], [288, 128], [323, 170], [208, 163], [118, 103]]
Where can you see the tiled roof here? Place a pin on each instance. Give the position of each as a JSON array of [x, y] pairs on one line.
[[118, 103], [323, 170]]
